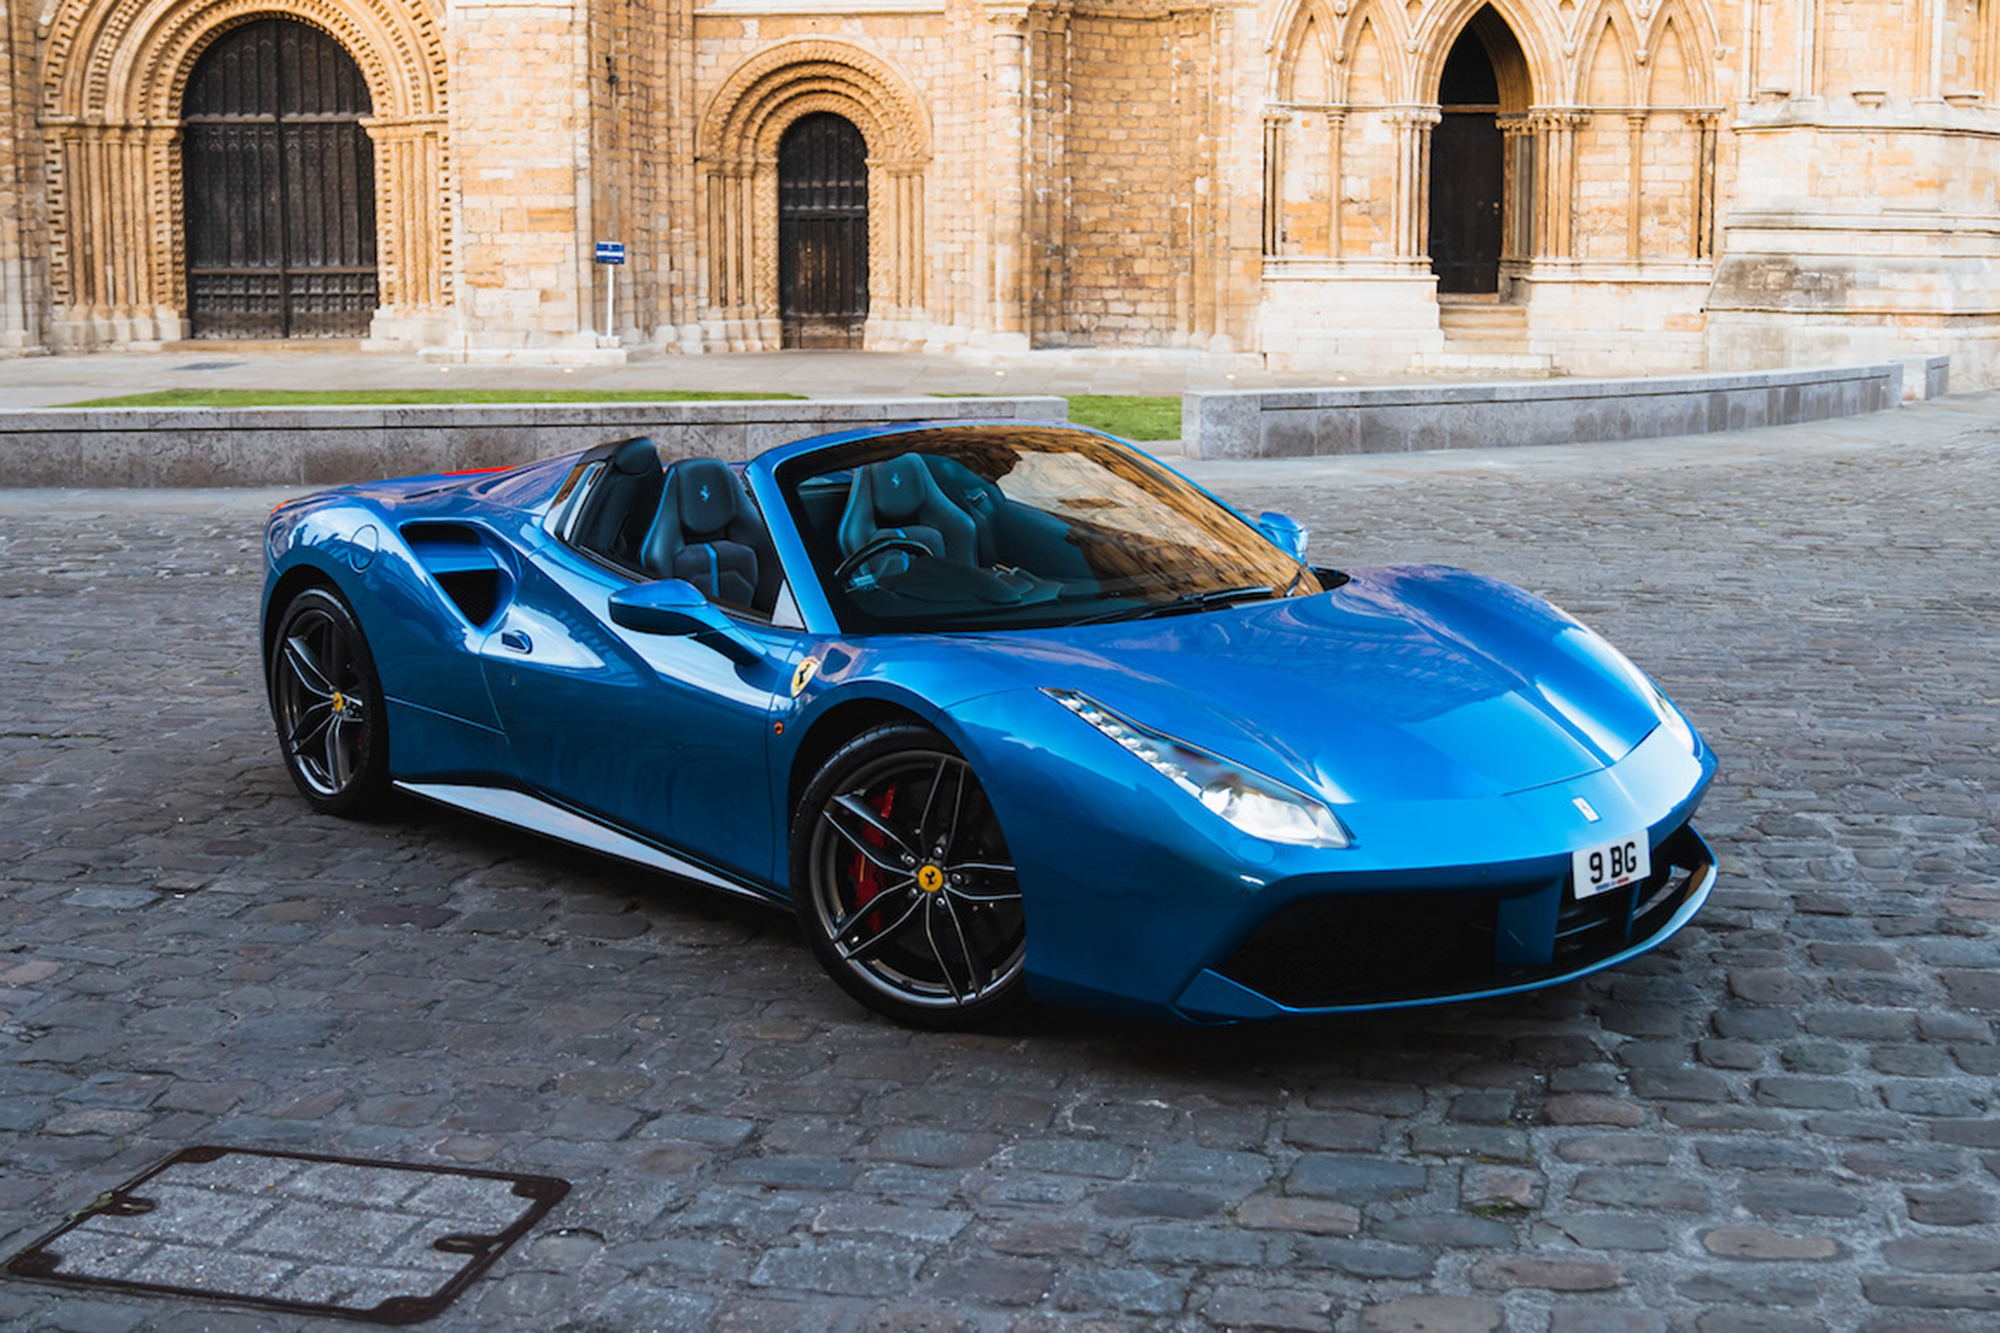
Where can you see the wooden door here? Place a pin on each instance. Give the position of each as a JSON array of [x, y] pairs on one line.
[[822, 232], [279, 182], [1466, 174]]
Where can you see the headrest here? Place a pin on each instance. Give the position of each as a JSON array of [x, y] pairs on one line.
[[707, 493], [900, 487], [635, 457]]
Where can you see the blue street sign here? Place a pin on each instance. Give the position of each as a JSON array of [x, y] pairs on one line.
[[611, 252]]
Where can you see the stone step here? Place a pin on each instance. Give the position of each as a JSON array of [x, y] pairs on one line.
[[1453, 317], [1457, 359]]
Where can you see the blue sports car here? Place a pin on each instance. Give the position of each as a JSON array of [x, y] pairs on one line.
[[1000, 711]]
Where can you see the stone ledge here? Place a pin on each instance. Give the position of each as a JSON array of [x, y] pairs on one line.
[[329, 446], [1293, 423]]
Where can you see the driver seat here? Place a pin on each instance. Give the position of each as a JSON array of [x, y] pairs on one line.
[[898, 497], [708, 533]]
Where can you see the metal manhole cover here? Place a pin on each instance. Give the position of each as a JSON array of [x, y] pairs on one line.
[[380, 1241]]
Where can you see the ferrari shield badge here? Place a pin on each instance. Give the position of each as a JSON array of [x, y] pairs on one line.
[[802, 673]]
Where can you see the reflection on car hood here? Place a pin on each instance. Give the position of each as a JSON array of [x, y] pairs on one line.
[[1406, 683]]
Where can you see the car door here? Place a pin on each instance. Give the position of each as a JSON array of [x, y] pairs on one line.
[[657, 733]]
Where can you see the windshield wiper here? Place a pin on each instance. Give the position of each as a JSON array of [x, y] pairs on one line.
[[1182, 605]]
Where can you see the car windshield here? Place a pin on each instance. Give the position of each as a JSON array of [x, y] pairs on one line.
[[984, 527]]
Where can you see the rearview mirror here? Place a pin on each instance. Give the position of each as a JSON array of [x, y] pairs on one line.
[[1284, 532], [676, 607]]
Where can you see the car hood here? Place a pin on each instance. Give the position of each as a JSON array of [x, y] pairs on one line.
[[1411, 683]]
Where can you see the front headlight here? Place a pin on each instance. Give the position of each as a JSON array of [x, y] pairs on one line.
[[1670, 718], [1260, 806]]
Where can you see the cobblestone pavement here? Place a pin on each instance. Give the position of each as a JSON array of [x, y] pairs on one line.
[[1783, 1121]]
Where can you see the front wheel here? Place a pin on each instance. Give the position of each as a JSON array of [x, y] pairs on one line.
[[903, 884], [327, 703]]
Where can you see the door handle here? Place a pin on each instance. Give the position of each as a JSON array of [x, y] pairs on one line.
[[514, 639]]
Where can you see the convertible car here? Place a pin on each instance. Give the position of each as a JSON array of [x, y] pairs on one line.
[[1001, 711]]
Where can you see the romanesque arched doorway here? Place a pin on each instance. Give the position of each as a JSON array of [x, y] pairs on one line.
[[878, 182], [1484, 76], [822, 232], [279, 182]]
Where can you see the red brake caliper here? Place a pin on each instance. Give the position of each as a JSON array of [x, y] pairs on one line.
[[867, 879]]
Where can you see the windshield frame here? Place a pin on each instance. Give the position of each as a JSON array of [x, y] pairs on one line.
[[1252, 558]]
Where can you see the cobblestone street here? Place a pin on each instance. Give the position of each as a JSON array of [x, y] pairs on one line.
[[1782, 1121]]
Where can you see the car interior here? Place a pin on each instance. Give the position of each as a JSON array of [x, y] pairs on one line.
[[690, 520]]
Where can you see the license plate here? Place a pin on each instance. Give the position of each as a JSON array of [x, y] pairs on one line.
[[1610, 865]]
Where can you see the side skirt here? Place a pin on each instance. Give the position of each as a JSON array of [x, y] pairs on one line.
[[518, 809]]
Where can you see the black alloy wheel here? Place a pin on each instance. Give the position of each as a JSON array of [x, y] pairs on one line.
[[327, 703], [903, 884]]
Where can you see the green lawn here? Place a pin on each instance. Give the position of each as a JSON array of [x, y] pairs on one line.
[[1129, 415], [413, 397]]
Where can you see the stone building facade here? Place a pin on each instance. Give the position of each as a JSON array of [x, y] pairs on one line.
[[1594, 186]]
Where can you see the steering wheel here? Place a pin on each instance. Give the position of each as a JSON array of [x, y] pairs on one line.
[[881, 545]]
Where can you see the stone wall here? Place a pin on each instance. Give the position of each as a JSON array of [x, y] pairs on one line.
[[1684, 185], [1294, 423], [330, 446]]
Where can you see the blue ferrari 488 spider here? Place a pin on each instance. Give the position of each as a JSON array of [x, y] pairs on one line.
[[1000, 711]]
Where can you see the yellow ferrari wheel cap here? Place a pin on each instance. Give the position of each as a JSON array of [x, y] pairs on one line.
[[930, 879]]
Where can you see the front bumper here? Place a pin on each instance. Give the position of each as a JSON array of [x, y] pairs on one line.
[[1350, 952], [1141, 903]]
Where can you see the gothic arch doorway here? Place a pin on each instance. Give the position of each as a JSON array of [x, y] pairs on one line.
[[822, 232], [279, 182], [1484, 76]]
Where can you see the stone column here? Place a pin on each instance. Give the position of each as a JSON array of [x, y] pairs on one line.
[[1702, 241], [1517, 187], [114, 275], [1006, 164], [1556, 168], [1410, 232], [413, 213], [1197, 303], [1336, 143], [20, 296], [1274, 182], [1635, 124]]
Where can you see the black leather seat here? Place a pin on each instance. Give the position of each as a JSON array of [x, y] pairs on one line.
[[622, 505], [899, 497], [709, 533]]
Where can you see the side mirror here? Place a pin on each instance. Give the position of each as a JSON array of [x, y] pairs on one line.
[[1284, 532], [676, 607]]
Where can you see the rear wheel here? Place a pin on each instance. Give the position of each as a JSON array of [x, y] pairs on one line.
[[327, 703], [903, 883]]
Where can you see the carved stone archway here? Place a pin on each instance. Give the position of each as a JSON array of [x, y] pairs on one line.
[[114, 78], [737, 156]]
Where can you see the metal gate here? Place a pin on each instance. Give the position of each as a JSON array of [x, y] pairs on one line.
[[279, 179], [823, 232]]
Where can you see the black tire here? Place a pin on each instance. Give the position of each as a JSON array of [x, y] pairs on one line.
[[897, 817], [327, 703]]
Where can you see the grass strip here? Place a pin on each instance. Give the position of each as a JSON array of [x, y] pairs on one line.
[[1134, 416]]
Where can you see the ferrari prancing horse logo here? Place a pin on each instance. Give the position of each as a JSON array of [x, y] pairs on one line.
[[802, 673], [930, 879]]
